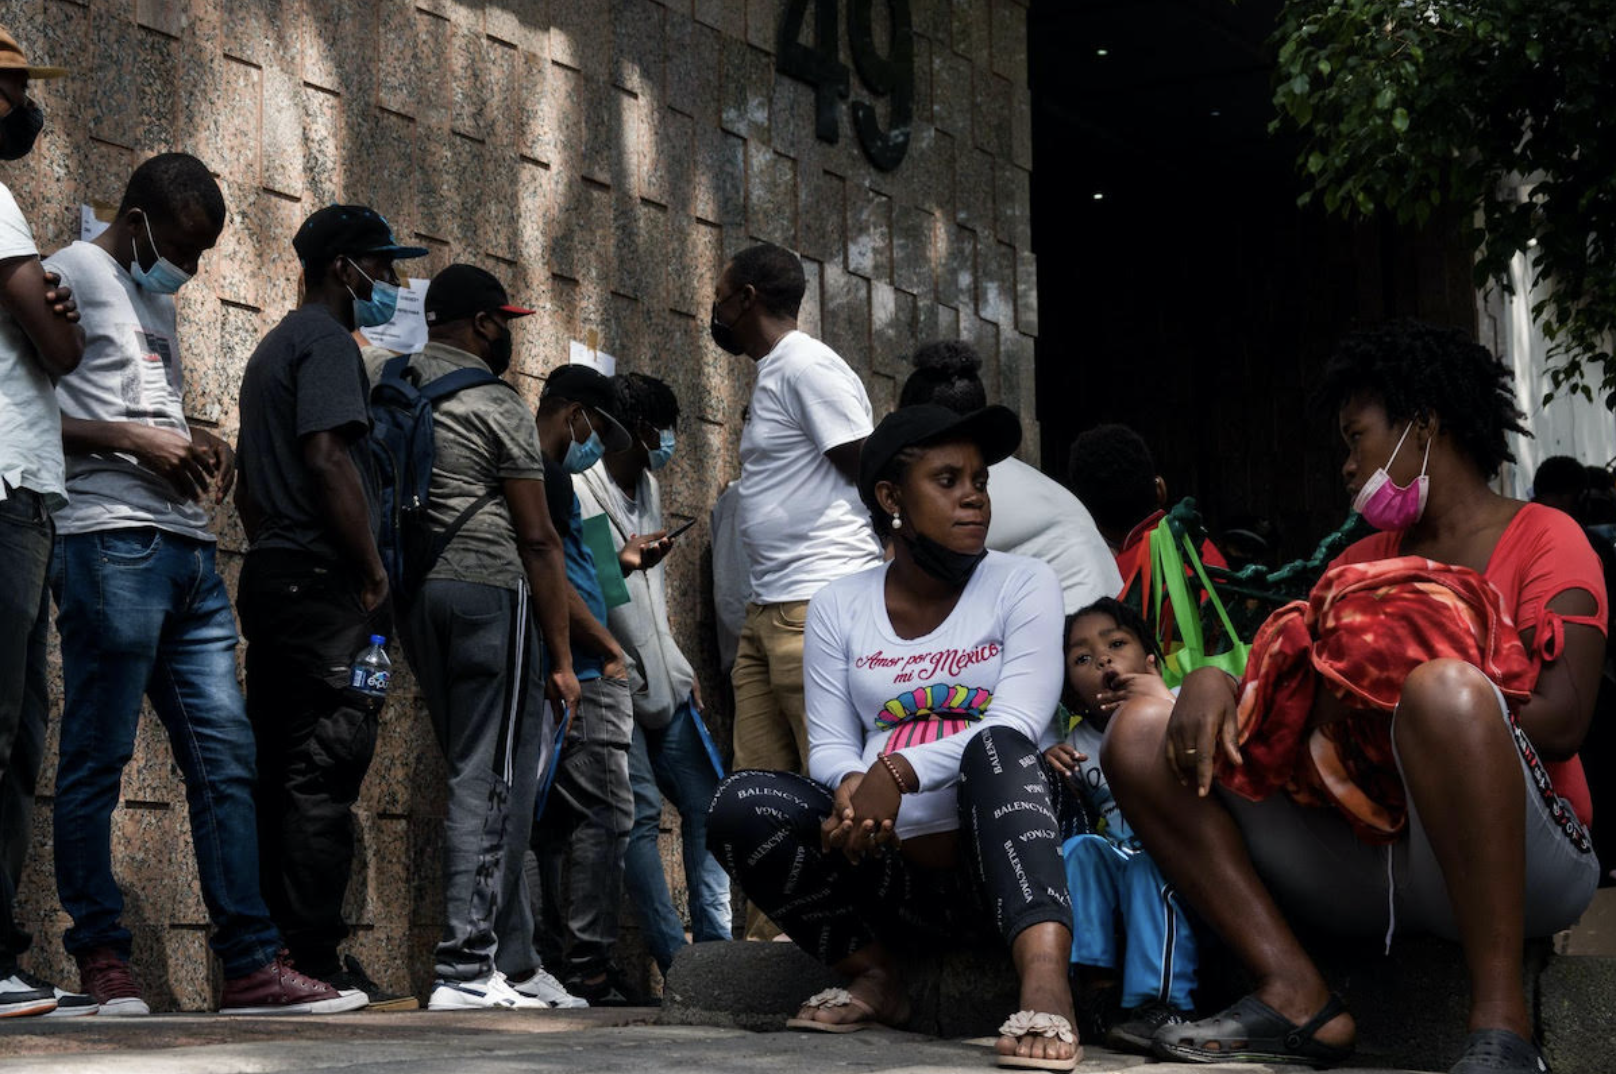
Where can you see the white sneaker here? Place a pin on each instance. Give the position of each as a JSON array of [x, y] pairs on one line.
[[20, 997], [487, 993], [524, 1001], [543, 985]]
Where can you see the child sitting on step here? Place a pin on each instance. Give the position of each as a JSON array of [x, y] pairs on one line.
[[1117, 892]]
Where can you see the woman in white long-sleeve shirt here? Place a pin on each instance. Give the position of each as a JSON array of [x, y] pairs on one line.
[[927, 682]]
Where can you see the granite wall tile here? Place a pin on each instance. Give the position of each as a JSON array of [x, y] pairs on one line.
[[936, 322], [720, 184], [581, 37], [956, 275], [282, 133], [728, 17], [432, 101], [974, 183], [973, 32], [808, 317], [637, 57], [745, 90], [263, 33], [694, 68], [822, 210], [792, 118], [869, 234], [771, 195], [992, 102], [1012, 204], [475, 65], [996, 283], [1027, 294], [846, 316], [1021, 128], [952, 96], [110, 117], [156, 72], [763, 23], [341, 48], [523, 23], [913, 261], [1009, 30], [892, 329], [377, 141], [398, 63]]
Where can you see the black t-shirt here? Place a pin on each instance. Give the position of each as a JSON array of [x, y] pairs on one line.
[[558, 494], [305, 377]]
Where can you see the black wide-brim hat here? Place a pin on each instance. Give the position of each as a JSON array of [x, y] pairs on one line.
[[995, 430]]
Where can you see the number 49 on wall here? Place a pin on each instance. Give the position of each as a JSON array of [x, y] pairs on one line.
[[820, 66]]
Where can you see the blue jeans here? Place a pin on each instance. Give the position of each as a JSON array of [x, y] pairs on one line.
[[144, 612], [675, 761]]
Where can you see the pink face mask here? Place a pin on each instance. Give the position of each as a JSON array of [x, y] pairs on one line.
[[1387, 507]]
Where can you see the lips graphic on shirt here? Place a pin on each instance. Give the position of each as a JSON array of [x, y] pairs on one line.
[[929, 713]]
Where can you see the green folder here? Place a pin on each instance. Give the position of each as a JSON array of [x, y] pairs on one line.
[[598, 539]]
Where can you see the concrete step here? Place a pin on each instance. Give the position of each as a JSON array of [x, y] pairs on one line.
[[1410, 1006]]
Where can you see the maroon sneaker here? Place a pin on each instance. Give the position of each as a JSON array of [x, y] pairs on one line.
[[279, 989], [106, 979]]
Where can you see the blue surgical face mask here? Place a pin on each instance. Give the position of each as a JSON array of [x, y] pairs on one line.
[[379, 308], [581, 457], [164, 277], [660, 454]]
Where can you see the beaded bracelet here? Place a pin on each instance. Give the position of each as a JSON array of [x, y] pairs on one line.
[[897, 776]]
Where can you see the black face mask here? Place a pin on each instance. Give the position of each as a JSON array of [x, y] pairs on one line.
[[723, 334], [19, 129], [944, 564], [499, 354]]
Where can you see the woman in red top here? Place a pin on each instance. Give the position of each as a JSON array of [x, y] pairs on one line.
[[1495, 847]]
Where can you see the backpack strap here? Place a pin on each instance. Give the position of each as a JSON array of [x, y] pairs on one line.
[[434, 391]]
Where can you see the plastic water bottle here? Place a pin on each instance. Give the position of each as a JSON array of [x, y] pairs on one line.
[[372, 669]]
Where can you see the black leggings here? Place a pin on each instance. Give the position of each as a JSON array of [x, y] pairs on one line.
[[764, 829]]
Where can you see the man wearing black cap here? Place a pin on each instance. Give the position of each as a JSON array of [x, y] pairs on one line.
[[313, 589], [468, 632], [590, 810]]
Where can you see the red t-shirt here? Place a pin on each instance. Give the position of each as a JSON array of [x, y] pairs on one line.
[[1134, 559], [1541, 554]]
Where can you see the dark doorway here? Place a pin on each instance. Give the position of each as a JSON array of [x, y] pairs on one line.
[[1181, 289]]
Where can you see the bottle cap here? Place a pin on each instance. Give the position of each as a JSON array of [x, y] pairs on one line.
[[377, 639]]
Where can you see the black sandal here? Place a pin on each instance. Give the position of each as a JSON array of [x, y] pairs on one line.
[[1498, 1051], [1253, 1032]]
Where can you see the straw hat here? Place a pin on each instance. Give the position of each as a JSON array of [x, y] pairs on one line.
[[12, 59]]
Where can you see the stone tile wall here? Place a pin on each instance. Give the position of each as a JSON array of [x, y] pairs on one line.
[[602, 157]]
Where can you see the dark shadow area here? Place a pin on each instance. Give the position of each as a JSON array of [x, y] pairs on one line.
[[1182, 291]]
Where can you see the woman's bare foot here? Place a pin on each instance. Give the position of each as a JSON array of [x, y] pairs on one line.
[[879, 997], [1041, 955]]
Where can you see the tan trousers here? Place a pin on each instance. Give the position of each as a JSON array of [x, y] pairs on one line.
[[771, 727]]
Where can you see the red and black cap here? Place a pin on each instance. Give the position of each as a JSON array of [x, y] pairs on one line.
[[462, 291]]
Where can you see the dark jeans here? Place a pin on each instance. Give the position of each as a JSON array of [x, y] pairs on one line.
[[583, 834], [25, 548], [304, 625], [477, 654], [143, 612], [764, 828]]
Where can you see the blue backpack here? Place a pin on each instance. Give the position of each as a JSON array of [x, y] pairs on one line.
[[402, 449]]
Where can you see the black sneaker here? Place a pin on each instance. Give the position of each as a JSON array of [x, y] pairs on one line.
[[612, 991], [353, 976], [1097, 1012], [1134, 1032], [21, 995]]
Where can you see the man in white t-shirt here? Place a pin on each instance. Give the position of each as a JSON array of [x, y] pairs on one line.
[[142, 610], [38, 343], [799, 515]]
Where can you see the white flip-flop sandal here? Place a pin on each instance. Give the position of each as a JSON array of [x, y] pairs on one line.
[[831, 999], [1038, 1024]]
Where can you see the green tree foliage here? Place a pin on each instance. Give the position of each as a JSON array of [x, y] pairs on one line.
[[1498, 116]]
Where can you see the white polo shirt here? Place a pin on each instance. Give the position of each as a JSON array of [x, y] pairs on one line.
[[31, 432]]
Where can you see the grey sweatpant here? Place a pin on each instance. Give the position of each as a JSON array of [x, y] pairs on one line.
[[479, 659]]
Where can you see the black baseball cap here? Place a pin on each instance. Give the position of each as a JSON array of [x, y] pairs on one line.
[[461, 291], [583, 384], [353, 230], [995, 430]]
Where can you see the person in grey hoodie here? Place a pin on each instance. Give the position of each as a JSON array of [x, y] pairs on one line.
[[672, 753]]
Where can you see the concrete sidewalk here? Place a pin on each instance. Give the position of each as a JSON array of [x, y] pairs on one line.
[[597, 1041]]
